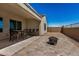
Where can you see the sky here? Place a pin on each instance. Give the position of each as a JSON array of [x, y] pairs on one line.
[[58, 14]]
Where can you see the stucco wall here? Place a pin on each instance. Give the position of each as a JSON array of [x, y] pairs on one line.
[[26, 23], [41, 26], [32, 24], [54, 29]]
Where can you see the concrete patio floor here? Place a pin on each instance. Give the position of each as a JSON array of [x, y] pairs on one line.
[[65, 47], [5, 42]]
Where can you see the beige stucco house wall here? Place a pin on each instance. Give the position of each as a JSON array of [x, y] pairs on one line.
[[41, 26], [21, 12]]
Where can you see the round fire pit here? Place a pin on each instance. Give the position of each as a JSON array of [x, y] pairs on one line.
[[52, 40]]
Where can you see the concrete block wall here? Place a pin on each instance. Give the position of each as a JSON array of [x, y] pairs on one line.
[[54, 29], [72, 32]]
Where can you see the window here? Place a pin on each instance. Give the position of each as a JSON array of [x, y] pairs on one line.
[[1, 24], [12, 24], [15, 25], [19, 25], [44, 26]]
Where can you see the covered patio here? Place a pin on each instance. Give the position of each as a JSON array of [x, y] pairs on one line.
[[18, 23]]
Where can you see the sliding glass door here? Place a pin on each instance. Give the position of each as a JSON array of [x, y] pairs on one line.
[[15, 25]]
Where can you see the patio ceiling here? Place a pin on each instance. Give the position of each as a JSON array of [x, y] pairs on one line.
[[16, 10]]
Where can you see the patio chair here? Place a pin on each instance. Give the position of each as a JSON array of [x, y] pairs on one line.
[[33, 30], [25, 34], [13, 35], [19, 35]]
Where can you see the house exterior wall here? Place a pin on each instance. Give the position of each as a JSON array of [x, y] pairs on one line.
[[32, 24], [6, 18], [26, 23], [41, 26]]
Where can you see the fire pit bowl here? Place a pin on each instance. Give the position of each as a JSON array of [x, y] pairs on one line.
[[52, 40]]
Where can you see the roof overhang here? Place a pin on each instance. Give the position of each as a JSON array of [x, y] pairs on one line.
[[30, 10], [20, 10]]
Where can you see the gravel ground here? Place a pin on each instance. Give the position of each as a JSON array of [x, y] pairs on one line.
[[65, 47]]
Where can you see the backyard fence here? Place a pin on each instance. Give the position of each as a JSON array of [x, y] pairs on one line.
[[71, 30], [54, 29]]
